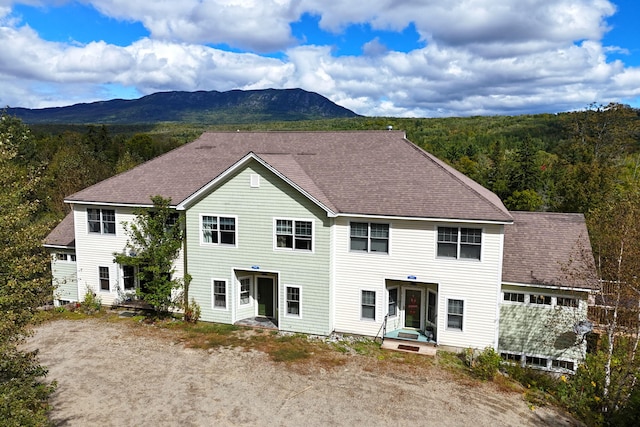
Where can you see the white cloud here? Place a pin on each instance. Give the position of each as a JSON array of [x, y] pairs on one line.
[[481, 56]]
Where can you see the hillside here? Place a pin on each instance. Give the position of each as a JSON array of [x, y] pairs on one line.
[[235, 106]]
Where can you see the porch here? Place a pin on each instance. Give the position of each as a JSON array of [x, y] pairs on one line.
[[410, 341]]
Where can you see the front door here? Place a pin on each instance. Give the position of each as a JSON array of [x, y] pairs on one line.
[[265, 296], [413, 308]]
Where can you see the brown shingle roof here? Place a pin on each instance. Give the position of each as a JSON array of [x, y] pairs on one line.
[[548, 249], [359, 172], [63, 235]]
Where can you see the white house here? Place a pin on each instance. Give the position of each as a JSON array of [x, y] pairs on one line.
[[354, 232]]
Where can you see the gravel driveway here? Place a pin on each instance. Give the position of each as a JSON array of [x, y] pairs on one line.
[[110, 375]]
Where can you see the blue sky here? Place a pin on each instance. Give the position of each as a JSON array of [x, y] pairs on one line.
[[417, 58]]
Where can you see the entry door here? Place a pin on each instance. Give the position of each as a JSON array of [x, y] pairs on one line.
[[413, 308], [265, 296]]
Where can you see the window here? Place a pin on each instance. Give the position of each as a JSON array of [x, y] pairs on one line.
[[431, 307], [513, 297], [129, 277], [293, 234], [65, 257], [368, 303], [455, 310], [540, 362], [369, 237], [102, 221], [567, 302], [219, 294], [245, 290], [218, 230], [562, 364], [540, 299], [103, 273], [393, 302], [510, 357], [463, 243], [293, 301]]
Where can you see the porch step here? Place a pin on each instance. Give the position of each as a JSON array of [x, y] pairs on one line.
[[425, 348]]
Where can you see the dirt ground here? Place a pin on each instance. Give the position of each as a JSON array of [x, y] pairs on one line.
[[109, 376]]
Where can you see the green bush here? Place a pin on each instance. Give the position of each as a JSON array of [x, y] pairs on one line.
[[486, 364], [91, 302]]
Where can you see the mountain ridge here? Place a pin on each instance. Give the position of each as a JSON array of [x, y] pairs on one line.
[[214, 107]]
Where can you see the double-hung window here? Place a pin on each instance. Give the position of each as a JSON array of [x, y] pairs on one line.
[[219, 294], [103, 275], [294, 234], [129, 277], [460, 242], [101, 221], [393, 302], [368, 305], [455, 314], [218, 230], [293, 301], [245, 290], [369, 237]]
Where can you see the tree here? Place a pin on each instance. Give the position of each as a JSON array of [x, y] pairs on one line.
[[155, 240], [25, 284], [616, 242]]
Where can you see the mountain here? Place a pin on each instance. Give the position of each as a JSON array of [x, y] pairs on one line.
[[234, 106]]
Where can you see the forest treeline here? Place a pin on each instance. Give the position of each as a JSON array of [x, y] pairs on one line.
[[570, 162], [586, 161]]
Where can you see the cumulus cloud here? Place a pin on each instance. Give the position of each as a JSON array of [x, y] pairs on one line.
[[479, 56]]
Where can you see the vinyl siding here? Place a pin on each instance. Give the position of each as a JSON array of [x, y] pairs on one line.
[[96, 250], [64, 275], [542, 330], [254, 254], [412, 252]]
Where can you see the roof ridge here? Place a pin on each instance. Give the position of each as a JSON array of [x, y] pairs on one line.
[[448, 169]]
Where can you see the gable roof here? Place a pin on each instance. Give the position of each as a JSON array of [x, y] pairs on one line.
[[551, 249], [63, 235], [377, 173]]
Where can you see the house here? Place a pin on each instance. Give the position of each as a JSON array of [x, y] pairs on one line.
[[352, 232]]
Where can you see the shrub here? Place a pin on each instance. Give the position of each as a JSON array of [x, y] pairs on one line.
[[192, 312], [483, 365], [91, 302]]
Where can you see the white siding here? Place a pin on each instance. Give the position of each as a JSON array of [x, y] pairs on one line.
[[412, 252], [96, 250]]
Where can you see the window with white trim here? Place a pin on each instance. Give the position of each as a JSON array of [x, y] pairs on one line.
[[392, 309], [539, 299], [129, 277], [539, 362], [294, 234], [563, 364], [511, 357], [455, 314], [63, 257], [245, 290], [219, 294], [218, 230], [103, 275], [567, 302], [369, 237], [514, 297], [101, 221], [368, 305], [463, 243], [293, 301]]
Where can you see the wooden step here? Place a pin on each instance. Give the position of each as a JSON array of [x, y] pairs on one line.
[[409, 346]]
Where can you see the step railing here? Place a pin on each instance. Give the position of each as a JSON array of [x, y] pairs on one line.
[[383, 329]]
